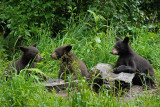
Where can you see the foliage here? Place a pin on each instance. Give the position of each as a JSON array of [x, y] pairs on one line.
[[24, 18], [125, 15]]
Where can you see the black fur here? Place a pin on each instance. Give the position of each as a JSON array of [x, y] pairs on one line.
[[29, 56], [70, 64], [130, 62]]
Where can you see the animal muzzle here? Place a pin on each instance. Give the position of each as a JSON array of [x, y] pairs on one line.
[[53, 55], [114, 51], [38, 58]]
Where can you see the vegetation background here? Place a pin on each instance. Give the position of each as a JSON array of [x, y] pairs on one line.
[[90, 27]]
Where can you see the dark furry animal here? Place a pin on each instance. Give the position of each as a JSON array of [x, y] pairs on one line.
[[29, 56], [130, 62], [69, 63]]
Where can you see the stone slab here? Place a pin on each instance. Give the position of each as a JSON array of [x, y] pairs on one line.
[[105, 71], [58, 84]]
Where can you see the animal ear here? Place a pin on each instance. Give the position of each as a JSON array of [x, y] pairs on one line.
[[126, 40], [68, 48], [117, 38], [24, 49], [34, 45]]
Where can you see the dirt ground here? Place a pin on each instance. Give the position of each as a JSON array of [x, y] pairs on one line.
[[137, 91]]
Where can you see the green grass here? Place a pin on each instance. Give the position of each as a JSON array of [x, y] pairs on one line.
[[91, 47]]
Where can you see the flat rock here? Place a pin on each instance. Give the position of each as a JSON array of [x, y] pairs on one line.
[[126, 77], [58, 84], [105, 72]]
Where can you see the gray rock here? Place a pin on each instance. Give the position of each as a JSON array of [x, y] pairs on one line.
[[102, 74], [58, 84], [105, 71], [126, 77]]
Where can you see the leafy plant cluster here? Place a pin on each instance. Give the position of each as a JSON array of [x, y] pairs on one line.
[[128, 15], [23, 19]]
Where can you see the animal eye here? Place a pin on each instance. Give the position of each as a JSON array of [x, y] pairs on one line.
[[117, 47], [55, 52]]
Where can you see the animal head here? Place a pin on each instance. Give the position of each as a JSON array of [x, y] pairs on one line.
[[121, 46], [31, 53], [61, 51]]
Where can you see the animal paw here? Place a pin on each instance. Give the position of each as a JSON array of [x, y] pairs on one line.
[[115, 70]]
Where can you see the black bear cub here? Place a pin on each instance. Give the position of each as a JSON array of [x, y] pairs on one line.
[[69, 63], [29, 56], [130, 62]]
